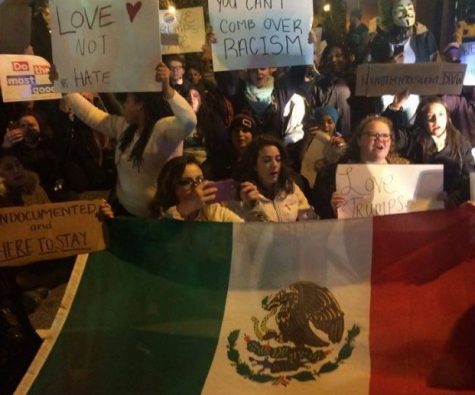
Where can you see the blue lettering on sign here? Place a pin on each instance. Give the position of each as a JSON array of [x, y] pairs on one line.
[[42, 89], [13, 80]]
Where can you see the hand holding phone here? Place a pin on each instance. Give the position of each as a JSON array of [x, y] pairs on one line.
[[227, 190]]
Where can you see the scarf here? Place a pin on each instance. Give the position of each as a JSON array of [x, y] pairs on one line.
[[259, 98]]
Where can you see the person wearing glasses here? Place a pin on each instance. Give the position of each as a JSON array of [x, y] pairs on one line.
[[184, 194], [435, 140], [176, 64], [372, 142]]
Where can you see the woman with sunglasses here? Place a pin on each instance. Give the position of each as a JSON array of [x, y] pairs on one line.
[[183, 193], [373, 143]]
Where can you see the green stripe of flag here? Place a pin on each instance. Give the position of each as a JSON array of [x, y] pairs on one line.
[[143, 321]]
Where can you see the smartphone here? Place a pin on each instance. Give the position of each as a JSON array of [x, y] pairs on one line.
[[398, 49], [12, 125], [227, 190]]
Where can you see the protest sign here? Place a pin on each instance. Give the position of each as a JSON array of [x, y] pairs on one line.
[[49, 231], [467, 56], [422, 78], [186, 26], [105, 46], [260, 33], [314, 154], [25, 78], [371, 190]]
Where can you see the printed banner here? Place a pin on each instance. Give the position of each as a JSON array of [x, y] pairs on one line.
[[49, 231], [254, 34], [467, 56], [371, 190], [25, 78], [423, 79], [105, 46], [185, 26]]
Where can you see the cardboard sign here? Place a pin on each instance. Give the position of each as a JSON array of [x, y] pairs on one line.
[[105, 45], [49, 231], [467, 56], [255, 33], [25, 78], [182, 31], [371, 190], [422, 78]]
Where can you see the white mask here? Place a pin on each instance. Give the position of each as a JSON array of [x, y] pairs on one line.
[[403, 13]]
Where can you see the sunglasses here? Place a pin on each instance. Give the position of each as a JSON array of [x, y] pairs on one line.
[[188, 181]]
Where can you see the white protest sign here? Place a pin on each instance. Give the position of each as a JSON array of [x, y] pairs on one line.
[[421, 78], [105, 45], [467, 56], [25, 78], [188, 25], [314, 154], [371, 190], [261, 33]]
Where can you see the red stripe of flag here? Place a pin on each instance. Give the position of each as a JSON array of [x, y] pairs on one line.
[[422, 330]]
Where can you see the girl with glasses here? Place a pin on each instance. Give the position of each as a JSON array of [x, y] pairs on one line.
[[184, 194], [373, 143]]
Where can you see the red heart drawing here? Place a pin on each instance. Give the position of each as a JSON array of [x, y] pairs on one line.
[[133, 9]]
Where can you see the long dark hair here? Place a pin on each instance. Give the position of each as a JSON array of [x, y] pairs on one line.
[[325, 60], [453, 141], [167, 182], [155, 107], [247, 169]]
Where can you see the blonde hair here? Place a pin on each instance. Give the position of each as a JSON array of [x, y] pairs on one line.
[[353, 152]]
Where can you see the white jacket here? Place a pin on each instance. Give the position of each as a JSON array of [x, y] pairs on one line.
[[283, 208]]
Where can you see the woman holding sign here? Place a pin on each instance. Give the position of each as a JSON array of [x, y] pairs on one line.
[[372, 143], [435, 140], [146, 139]]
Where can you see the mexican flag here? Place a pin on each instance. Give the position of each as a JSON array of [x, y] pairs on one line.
[[373, 306]]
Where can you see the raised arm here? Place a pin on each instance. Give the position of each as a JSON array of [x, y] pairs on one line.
[[184, 121], [110, 125]]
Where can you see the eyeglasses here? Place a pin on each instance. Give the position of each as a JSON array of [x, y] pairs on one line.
[[380, 136], [175, 68], [189, 182]]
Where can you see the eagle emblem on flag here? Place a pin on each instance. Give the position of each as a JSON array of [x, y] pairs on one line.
[[307, 323]]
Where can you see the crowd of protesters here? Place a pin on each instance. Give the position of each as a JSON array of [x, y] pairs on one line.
[[229, 146]]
